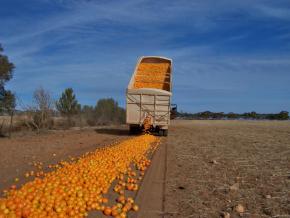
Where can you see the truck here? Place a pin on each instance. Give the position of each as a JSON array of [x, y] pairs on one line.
[[148, 95]]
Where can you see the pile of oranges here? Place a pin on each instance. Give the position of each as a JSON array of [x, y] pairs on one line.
[[73, 189], [152, 75]]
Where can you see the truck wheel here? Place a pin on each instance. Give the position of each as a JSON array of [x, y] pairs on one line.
[[133, 129], [165, 132]]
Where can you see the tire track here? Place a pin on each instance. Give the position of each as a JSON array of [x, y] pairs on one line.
[[151, 195], [164, 180]]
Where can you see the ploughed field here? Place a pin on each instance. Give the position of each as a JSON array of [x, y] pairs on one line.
[[202, 169], [228, 169]]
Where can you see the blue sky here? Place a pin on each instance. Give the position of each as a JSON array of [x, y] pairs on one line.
[[228, 55]]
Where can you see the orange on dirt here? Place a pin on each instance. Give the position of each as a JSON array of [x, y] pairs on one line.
[[121, 199], [135, 207], [107, 211], [75, 188]]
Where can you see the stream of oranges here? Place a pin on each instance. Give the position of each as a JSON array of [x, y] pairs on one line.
[[75, 188]]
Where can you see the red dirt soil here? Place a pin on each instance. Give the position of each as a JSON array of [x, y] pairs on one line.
[[18, 153]]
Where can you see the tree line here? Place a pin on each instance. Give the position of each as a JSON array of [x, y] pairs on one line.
[[46, 113], [208, 115]]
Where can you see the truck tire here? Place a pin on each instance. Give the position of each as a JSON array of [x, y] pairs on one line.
[[165, 132], [134, 129]]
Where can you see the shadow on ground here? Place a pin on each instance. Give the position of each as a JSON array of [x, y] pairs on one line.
[[114, 131], [121, 132]]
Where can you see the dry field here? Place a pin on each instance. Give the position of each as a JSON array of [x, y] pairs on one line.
[[213, 166], [202, 169]]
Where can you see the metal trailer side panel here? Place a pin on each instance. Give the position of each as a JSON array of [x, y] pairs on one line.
[[154, 104]]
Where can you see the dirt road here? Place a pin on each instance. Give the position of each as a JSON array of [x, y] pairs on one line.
[[18, 153]]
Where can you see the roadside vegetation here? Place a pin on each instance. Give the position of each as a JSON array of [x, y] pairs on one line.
[[208, 115], [45, 113]]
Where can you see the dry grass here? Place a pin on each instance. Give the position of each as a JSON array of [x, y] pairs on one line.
[[205, 158]]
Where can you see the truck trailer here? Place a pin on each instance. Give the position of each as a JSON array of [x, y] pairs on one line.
[[148, 95]]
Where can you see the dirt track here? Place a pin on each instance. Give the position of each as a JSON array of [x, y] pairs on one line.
[[203, 168], [18, 154]]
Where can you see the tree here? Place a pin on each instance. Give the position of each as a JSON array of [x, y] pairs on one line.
[[6, 73], [89, 114], [7, 98], [253, 115], [283, 115], [108, 111], [67, 105], [218, 115], [6, 68], [232, 115], [8, 105], [79, 112], [43, 108], [205, 115]]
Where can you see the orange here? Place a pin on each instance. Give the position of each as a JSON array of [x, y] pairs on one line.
[[107, 211]]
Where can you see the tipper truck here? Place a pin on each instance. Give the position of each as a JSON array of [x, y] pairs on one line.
[[148, 96]]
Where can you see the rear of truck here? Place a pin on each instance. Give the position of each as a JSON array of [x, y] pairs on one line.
[[149, 95]]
